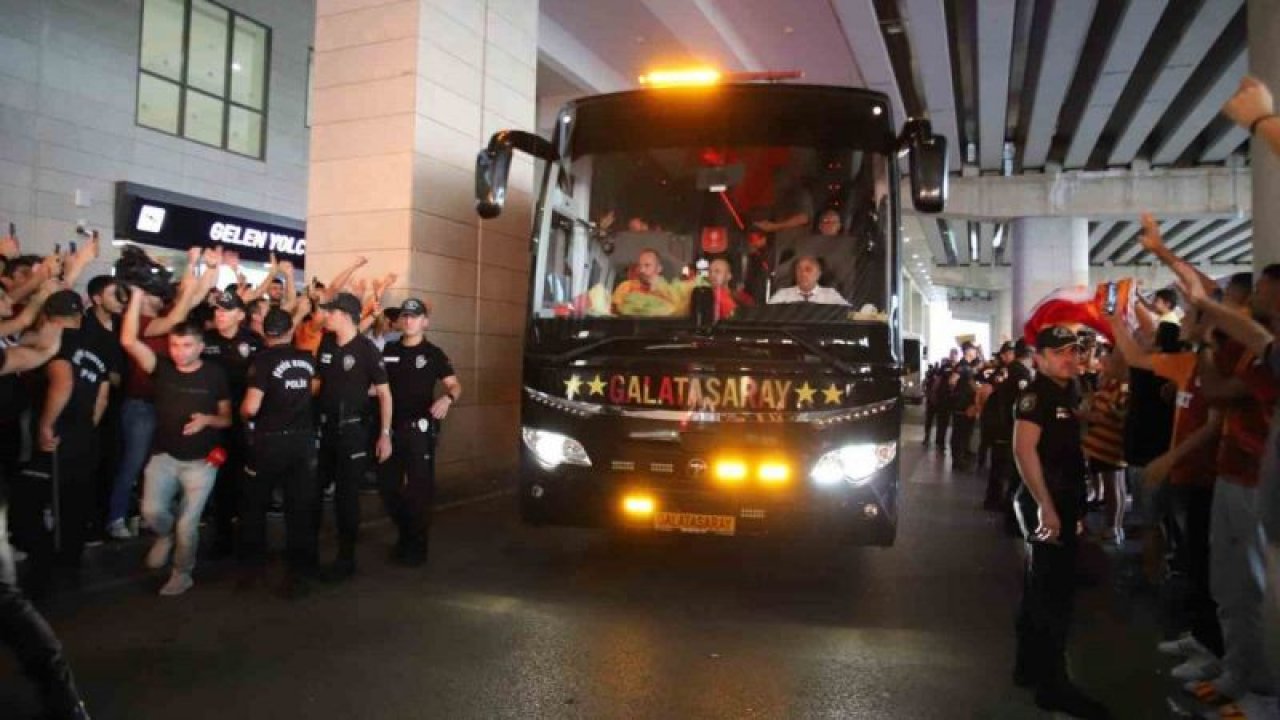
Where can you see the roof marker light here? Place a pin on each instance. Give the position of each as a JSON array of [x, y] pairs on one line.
[[686, 77]]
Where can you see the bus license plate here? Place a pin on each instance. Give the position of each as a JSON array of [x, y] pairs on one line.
[[695, 523]]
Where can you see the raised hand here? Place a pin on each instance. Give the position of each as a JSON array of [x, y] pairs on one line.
[[1151, 237], [1189, 283], [1251, 101]]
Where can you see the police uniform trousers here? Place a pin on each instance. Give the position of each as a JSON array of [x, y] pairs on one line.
[[1048, 591], [25, 631], [407, 481], [961, 437], [344, 458], [286, 458], [944, 424], [59, 539], [999, 475], [930, 413], [226, 490]]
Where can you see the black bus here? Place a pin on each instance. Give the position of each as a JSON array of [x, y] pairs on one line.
[[683, 370]]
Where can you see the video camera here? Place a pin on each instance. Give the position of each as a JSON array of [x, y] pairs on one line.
[[134, 268]]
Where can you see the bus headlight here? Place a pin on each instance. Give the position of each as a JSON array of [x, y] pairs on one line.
[[552, 449], [854, 464]]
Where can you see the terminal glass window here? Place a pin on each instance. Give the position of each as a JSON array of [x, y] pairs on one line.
[[202, 74]]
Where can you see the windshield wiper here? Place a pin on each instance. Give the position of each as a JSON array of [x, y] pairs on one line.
[[818, 350]]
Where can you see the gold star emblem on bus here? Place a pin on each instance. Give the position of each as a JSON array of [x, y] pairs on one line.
[[832, 395], [596, 386], [572, 386], [804, 394]]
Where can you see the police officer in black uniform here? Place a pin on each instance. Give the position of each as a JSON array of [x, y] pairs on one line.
[[408, 478], [277, 407], [22, 627], [70, 396], [1015, 361], [1047, 448], [961, 400], [231, 346], [348, 365]]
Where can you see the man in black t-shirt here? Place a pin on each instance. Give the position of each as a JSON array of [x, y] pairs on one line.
[[231, 346], [192, 406], [69, 396], [277, 406], [1002, 479], [102, 324], [408, 478], [26, 631], [349, 364], [1047, 447]]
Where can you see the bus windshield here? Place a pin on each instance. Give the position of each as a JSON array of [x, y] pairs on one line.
[[767, 205]]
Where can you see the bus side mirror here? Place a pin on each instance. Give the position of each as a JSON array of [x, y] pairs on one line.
[[493, 164], [927, 161]]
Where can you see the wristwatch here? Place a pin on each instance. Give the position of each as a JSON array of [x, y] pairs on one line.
[[386, 432]]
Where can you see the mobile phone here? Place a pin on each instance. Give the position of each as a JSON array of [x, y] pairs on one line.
[[1109, 306]]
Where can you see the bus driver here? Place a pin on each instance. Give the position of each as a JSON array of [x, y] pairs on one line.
[[807, 289]]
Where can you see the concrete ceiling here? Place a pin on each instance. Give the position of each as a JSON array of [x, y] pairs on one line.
[[1018, 86]]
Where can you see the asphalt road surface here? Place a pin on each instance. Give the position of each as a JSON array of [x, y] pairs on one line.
[[512, 622]]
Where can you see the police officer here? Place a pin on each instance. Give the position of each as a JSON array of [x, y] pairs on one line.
[[1001, 479], [277, 407], [941, 393], [962, 400], [231, 346], [348, 365], [70, 398], [1047, 448], [408, 478]]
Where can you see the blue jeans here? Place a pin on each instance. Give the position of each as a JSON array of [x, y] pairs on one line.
[[137, 425]]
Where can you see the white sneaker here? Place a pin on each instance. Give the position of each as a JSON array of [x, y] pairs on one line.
[[158, 555], [1185, 645], [1197, 668], [178, 584], [119, 531]]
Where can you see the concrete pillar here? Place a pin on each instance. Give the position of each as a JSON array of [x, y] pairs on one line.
[[1264, 63], [1002, 328], [406, 93], [1048, 253]]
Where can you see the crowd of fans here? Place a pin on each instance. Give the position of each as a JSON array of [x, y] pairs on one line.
[[1178, 424]]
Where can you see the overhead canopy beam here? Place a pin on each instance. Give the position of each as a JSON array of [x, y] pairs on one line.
[[1204, 112], [1124, 234], [1136, 26], [861, 28], [927, 24], [704, 30], [1228, 234], [1226, 144], [1099, 233], [1105, 194], [995, 50], [1069, 24], [570, 58], [1200, 35]]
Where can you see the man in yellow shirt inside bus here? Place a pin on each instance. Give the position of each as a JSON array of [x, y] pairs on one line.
[[646, 293]]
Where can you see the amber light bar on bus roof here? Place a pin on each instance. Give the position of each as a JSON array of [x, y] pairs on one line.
[[702, 77]]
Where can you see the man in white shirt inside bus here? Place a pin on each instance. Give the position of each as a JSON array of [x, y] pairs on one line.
[[806, 289]]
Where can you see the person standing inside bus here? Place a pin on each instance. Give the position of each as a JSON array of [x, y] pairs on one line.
[[1050, 458], [408, 478]]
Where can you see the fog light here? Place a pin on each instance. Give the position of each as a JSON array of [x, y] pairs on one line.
[[638, 505], [730, 472], [774, 473]]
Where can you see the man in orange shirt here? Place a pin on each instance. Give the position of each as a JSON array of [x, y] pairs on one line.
[[1189, 467]]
